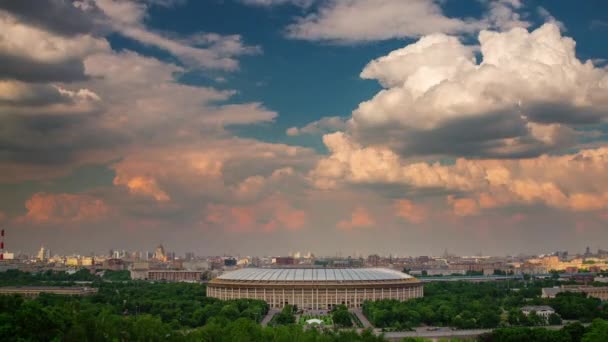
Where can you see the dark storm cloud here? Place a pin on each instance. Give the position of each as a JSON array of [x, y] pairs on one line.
[[59, 16], [52, 139], [468, 136], [564, 113], [28, 70]]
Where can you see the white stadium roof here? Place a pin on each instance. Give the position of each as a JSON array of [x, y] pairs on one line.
[[314, 274]]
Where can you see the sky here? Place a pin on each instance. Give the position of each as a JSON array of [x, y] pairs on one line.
[[339, 127]]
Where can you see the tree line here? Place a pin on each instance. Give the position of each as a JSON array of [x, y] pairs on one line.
[[481, 305]]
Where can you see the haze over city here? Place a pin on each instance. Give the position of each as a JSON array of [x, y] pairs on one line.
[[264, 127]]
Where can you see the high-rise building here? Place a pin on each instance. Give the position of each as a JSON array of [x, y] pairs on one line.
[[159, 253], [41, 254]]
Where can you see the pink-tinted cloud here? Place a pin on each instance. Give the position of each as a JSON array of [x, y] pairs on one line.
[[45, 208], [268, 215], [410, 211], [359, 218], [518, 217], [463, 206], [143, 185], [555, 181]]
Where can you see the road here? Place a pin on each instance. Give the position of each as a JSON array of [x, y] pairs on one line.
[[445, 333]]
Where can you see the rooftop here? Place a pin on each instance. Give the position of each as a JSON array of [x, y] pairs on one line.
[[537, 308], [314, 274]]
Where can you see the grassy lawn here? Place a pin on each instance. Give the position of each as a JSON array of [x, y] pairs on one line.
[[327, 321]]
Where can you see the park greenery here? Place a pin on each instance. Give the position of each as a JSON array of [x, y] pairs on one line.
[[327, 320], [16, 278], [481, 305], [124, 310], [286, 316], [575, 332], [141, 311]]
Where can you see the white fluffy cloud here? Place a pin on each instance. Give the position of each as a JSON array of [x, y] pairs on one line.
[[503, 15], [324, 125], [200, 51], [523, 97], [301, 3], [363, 20], [31, 54], [32, 43]]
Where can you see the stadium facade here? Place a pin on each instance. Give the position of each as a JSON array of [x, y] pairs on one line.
[[315, 288]]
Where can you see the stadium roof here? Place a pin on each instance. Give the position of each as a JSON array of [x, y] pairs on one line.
[[314, 274]]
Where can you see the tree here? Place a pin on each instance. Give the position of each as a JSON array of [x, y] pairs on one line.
[[554, 319], [575, 331], [286, 316], [598, 332], [342, 318]]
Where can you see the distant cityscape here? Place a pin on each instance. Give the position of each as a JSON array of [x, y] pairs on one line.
[[163, 264]]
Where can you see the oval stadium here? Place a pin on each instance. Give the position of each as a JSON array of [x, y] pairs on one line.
[[315, 288]]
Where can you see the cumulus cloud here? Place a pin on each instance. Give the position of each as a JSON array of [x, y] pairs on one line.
[[100, 17], [143, 185], [214, 170], [269, 215], [324, 125], [503, 15], [360, 218], [463, 206], [31, 54], [525, 97], [46, 208], [51, 14], [411, 211], [549, 18], [116, 102], [491, 183]]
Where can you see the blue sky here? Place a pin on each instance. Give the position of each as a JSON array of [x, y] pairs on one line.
[[304, 81], [254, 126]]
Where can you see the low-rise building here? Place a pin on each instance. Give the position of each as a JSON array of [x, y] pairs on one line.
[[34, 291], [540, 310], [174, 275], [600, 292]]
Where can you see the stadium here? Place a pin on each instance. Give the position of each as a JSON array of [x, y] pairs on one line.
[[315, 288]]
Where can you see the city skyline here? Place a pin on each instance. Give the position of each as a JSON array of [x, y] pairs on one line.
[[260, 127], [150, 252]]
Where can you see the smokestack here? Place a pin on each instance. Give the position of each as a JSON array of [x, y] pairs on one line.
[[2, 245]]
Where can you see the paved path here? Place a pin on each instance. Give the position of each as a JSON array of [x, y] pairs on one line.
[[442, 333], [269, 316], [362, 318], [446, 333]]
